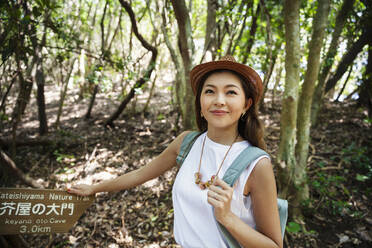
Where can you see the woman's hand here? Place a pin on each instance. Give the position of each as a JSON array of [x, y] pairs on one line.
[[81, 189], [220, 196]]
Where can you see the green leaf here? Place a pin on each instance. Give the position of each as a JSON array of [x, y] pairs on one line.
[[293, 227], [361, 178]]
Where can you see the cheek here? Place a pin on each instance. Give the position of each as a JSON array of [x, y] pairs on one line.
[[204, 103]]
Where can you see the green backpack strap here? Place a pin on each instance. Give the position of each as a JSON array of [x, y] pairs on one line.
[[243, 161], [186, 145]]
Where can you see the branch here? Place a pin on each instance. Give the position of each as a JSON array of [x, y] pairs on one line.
[[132, 17], [8, 163]]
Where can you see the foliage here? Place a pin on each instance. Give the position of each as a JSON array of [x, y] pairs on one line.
[[358, 157]]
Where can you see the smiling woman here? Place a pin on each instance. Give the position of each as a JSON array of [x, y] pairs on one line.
[[226, 100]]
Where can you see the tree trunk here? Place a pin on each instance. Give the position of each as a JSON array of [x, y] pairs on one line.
[[145, 108], [146, 76], [210, 44], [286, 153], [345, 83], [304, 105], [329, 58], [249, 5], [23, 98], [91, 102], [40, 80], [270, 58], [5, 96], [64, 88], [365, 92], [277, 81], [39, 77], [348, 58], [186, 47], [252, 34], [233, 27], [179, 78]]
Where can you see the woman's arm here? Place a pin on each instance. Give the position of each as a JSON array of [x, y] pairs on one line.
[[165, 161], [265, 209]]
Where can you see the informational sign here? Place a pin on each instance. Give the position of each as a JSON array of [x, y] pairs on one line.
[[34, 211]]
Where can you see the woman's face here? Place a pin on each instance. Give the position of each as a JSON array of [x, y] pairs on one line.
[[223, 100]]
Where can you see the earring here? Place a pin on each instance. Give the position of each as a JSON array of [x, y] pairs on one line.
[[201, 115], [242, 117]]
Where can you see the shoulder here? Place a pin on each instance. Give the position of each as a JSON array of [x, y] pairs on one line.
[[262, 169], [176, 143], [262, 173]]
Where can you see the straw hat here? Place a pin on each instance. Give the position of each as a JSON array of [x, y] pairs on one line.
[[227, 62]]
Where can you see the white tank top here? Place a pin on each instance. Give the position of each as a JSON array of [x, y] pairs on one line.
[[194, 223]]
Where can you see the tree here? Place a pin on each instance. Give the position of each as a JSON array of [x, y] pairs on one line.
[[286, 153], [304, 104], [186, 47]]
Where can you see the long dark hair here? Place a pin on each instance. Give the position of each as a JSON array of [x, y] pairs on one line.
[[249, 127]]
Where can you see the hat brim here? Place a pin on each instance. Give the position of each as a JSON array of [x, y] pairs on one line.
[[197, 73]]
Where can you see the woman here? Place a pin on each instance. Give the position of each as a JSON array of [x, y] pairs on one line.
[[227, 94]]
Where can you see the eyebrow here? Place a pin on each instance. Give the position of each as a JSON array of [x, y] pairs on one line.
[[227, 86]]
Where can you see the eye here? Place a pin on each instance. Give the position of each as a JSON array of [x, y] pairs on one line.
[[232, 92], [208, 91]]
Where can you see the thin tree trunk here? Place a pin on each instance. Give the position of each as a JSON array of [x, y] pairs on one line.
[[103, 28], [345, 83], [249, 5], [318, 96], [348, 59], [277, 81], [91, 102], [210, 32], [3, 100], [21, 103], [304, 106], [233, 28], [365, 92], [39, 75], [150, 95], [64, 87], [146, 76], [179, 78], [116, 30], [186, 47], [252, 34], [286, 153], [270, 58]]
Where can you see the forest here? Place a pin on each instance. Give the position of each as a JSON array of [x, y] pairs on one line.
[[90, 90]]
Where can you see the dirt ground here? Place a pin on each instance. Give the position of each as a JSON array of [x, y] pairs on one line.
[[338, 214]]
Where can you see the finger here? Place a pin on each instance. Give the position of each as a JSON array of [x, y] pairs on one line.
[[221, 183], [213, 195], [215, 203], [217, 189]]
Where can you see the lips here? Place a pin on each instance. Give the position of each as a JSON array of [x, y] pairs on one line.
[[219, 112]]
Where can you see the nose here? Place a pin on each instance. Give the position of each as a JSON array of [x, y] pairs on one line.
[[219, 100]]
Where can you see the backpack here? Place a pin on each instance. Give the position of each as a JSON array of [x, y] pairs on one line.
[[244, 159]]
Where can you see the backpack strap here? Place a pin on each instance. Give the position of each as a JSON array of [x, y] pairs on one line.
[[244, 159], [186, 145]]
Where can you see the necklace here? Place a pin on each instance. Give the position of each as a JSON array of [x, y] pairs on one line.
[[198, 175]]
